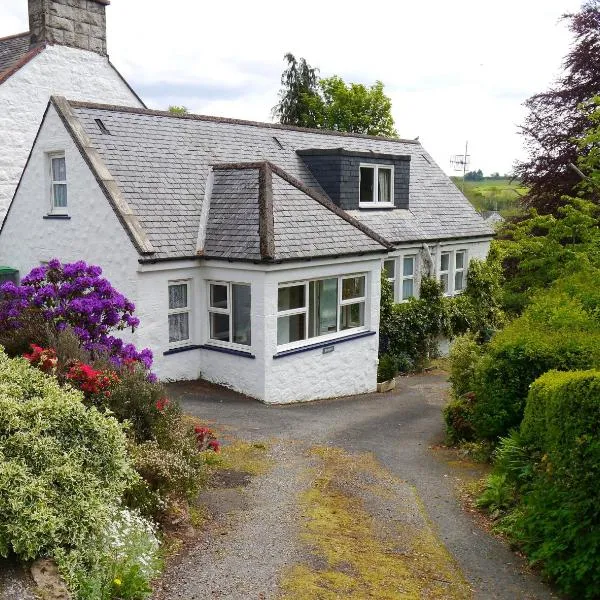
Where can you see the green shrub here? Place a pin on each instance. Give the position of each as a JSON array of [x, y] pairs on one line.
[[498, 495], [554, 332], [560, 523], [62, 465], [458, 416], [386, 368], [464, 356]]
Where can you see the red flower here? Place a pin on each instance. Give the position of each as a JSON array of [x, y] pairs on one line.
[[214, 445], [43, 358], [162, 404]]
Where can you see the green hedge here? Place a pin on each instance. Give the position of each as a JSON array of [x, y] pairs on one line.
[[560, 523], [554, 332]]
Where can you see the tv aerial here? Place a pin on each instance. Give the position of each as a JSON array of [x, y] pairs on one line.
[[460, 162]]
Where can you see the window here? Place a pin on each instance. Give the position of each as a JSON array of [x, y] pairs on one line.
[[408, 277], [229, 320], [320, 307], [459, 270], [376, 185], [389, 267], [58, 183], [444, 270], [179, 312]]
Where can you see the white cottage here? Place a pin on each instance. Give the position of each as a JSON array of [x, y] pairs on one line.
[[64, 52], [253, 251]]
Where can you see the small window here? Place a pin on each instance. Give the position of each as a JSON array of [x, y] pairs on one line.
[[459, 270], [320, 307], [58, 183], [444, 270], [389, 267], [179, 312], [376, 185], [408, 277], [229, 313]]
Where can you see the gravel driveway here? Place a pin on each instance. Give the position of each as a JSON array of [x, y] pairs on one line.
[[399, 428]]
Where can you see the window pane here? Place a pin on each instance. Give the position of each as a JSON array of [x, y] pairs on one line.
[[389, 267], [407, 289], [291, 297], [218, 296], [323, 302], [178, 296], [241, 314], [444, 282], [384, 185], [291, 328], [59, 169], [353, 287], [460, 260], [409, 266], [459, 280], [367, 175], [219, 327], [179, 327], [445, 262], [352, 315], [60, 195]]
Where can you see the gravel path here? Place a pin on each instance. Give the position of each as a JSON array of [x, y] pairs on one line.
[[399, 428]]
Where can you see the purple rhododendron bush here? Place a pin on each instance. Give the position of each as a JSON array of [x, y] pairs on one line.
[[62, 322]]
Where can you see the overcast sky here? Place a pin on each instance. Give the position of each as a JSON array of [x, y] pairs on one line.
[[455, 71]]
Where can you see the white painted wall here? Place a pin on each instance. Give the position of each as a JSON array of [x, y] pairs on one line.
[[57, 70], [93, 233]]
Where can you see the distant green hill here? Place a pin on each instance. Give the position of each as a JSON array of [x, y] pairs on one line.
[[493, 194]]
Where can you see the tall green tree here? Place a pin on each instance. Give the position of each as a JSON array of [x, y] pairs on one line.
[[330, 103]]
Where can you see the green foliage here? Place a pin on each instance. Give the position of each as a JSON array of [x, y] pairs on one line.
[[554, 332], [330, 103], [498, 496], [458, 416], [62, 465], [501, 194], [178, 110], [464, 356], [386, 368]]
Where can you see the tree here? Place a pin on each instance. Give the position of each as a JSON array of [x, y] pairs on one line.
[[474, 175], [178, 110], [330, 103], [298, 94], [559, 117]]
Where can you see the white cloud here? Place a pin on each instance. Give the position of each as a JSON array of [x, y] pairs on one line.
[[455, 71]]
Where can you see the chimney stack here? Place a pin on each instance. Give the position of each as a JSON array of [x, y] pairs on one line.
[[75, 23]]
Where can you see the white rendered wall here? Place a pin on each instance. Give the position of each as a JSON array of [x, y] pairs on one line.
[[57, 70], [93, 233]]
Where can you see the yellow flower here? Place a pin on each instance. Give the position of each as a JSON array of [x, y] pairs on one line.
[[118, 581]]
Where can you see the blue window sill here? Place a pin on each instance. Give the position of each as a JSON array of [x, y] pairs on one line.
[[60, 217], [182, 349], [233, 351], [328, 343]]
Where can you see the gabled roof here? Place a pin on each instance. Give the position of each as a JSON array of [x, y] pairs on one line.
[[160, 163], [259, 212], [15, 51]]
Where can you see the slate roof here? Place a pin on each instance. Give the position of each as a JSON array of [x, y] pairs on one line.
[[161, 163], [14, 49]]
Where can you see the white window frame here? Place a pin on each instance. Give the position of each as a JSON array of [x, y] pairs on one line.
[[57, 210], [392, 280], [187, 309], [226, 311], [304, 310], [462, 270], [404, 277], [376, 203], [448, 272]]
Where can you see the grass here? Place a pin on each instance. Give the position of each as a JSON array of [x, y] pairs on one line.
[[352, 557], [244, 457], [501, 195]]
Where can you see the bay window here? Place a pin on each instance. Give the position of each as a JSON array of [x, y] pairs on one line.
[[229, 317], [321, 307], [179, 312], [376, 186]]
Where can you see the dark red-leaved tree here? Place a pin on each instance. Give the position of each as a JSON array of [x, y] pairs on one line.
[[560, 116]]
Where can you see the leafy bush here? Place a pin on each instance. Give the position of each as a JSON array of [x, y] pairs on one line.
[[386, 368], [464, 356], [498, 496], [554, 332], [62, 465], [458, 416], [559, 524], [121, 564]]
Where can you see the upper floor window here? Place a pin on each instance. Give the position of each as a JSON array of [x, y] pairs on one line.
[[376, 186], [229, 313], [58, 183], [321, 307], [179, 312]]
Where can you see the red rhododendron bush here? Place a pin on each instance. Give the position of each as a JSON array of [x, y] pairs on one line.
[[60, 322]]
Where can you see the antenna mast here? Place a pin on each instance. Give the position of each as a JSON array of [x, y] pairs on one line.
[[460, 162]]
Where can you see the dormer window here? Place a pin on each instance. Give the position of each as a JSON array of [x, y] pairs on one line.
[[376, 183]]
